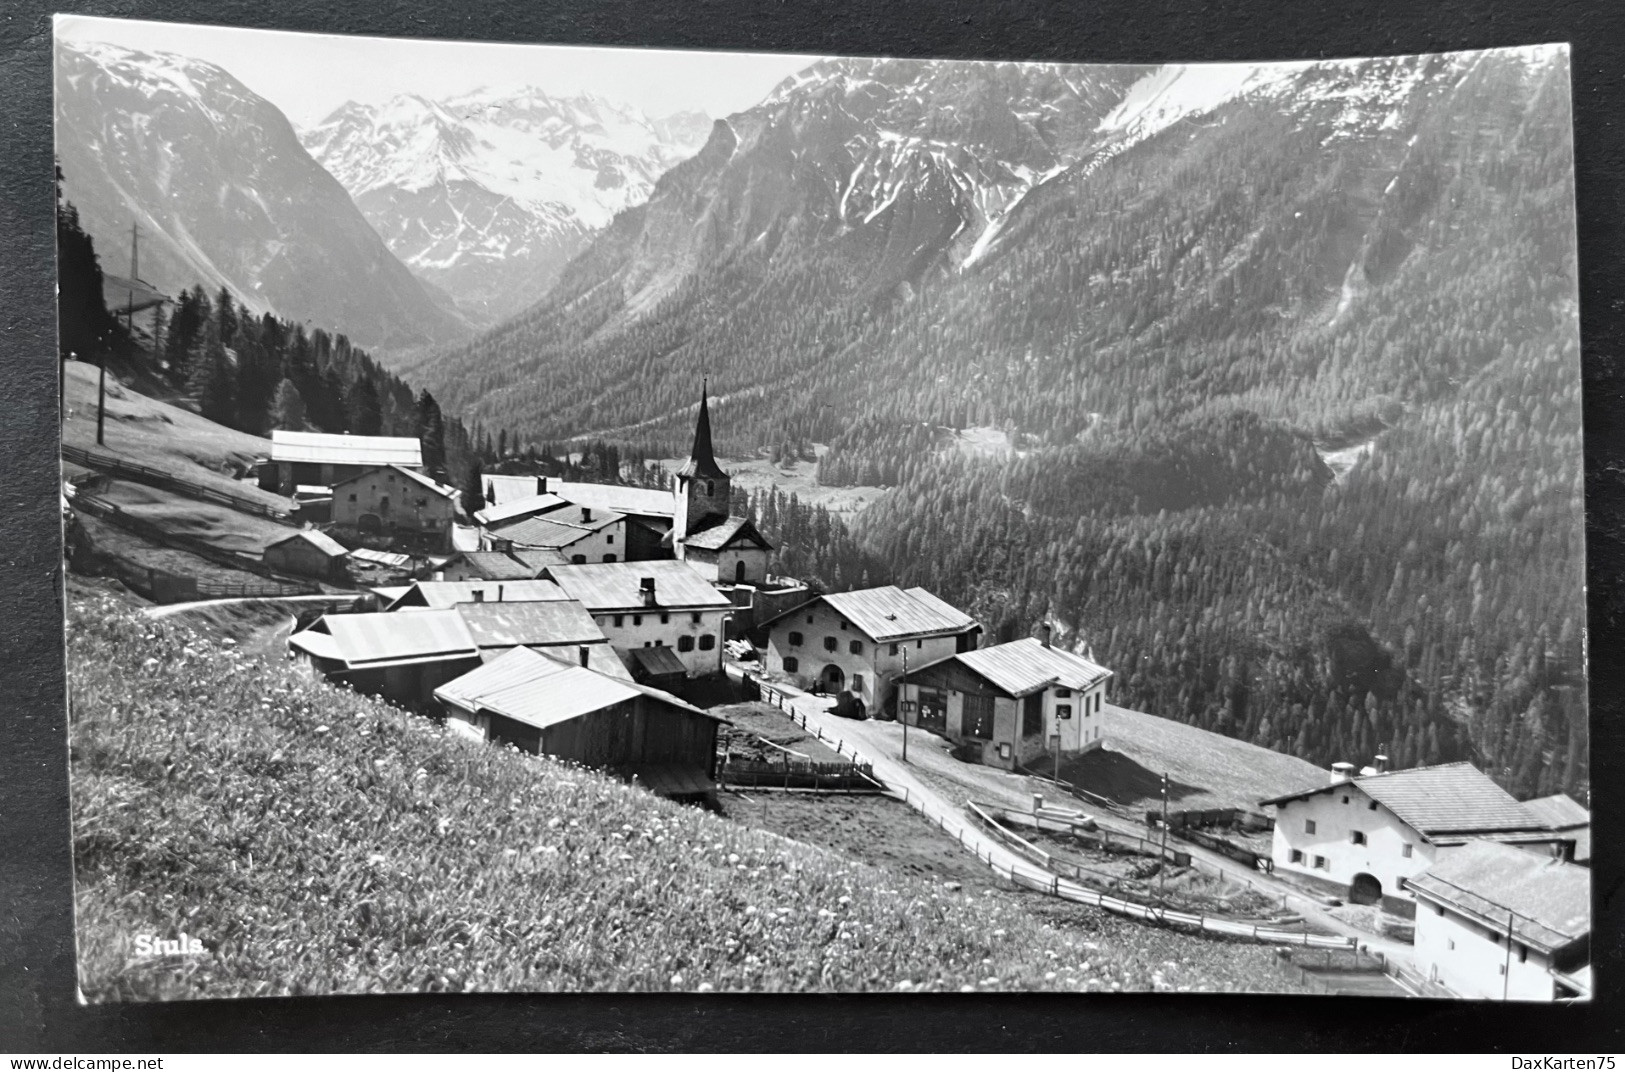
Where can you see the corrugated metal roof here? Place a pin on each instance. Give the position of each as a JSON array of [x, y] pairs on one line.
[[1549, 901], [537, 624], [1025, 666], [1452, 798], [369, 639], [521, 564], [316, 538], [323, 447], [442, 595], [524, 506], [1559, 811], [558, 529], [615, 586], [889, 613], [541, 691]]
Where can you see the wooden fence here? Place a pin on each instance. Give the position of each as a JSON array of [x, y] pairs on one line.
[[107, 462], [278, 585], [1044, 881], [163, 586], [798, 774]]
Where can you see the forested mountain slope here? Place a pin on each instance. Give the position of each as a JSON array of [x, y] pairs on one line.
[[1167, 302]]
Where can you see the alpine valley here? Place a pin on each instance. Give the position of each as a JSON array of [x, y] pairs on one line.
[[1261, 381]]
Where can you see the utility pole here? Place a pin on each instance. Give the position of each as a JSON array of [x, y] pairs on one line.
[[1506, 970], [1162, 869]]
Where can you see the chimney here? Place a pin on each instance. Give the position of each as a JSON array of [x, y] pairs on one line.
[[541, 485], [479, 595], [1342, 772], [586, 513], [1381, 764], [504, 546], [499, 593], [646, 587], [1049, 634], [582, 654]]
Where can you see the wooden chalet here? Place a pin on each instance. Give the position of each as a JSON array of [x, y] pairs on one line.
[[558, 708]]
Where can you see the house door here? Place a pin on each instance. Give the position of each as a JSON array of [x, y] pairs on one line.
[[933, 712], [833, 679], [739, 572]]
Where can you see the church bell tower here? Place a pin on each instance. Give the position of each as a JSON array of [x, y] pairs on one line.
[[701, 489]]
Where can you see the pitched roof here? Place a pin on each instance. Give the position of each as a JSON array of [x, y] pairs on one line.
[[323, 447], [890, 613], [657, 661], [605, 586], [1559, 811], [1025, 666], [377, 639], [1547, 901], [647, 502], [506, 488], [522, 564], [411, 474], [701, 461], [558, 529], [539, 691], [381, 558], [724, 531], [533, 624], [316, 538], [524, 506], [443, 595], [1452, 798]]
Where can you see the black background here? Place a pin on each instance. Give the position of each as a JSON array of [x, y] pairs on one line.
[[38, 1009]]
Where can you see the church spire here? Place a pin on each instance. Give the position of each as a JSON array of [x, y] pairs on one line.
[[702, 462]]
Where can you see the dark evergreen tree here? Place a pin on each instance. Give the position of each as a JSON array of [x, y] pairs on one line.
[[431, 433]]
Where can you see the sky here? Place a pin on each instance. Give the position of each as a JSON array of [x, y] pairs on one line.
[[309, 75]]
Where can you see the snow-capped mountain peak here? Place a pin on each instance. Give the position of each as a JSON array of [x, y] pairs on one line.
[[489, 193]]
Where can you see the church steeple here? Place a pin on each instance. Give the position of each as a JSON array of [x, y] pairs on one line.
[[702, 463]]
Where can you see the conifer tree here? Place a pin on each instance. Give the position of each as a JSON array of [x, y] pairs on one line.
[[288, 411], [432, 436]]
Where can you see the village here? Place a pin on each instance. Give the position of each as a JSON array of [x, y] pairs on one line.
[[643, 632]]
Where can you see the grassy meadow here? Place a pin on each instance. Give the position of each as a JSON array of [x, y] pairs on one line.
[[316, 841]]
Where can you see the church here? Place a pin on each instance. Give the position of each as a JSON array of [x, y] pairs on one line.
[[721, 546]]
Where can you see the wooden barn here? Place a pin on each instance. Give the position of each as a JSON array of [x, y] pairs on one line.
[[308, 553], [400, 657], [558, 708], [323, 459]]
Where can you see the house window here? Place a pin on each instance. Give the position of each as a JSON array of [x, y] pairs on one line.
[[708, 487], [578, 560], [1320, 863], [795, 640], [792, 664], [1358, 837], [1438, 909], [707, 642], [685, 643], [1523, 954], [1062, 694], [855, 647], [695, 618], [659, 643], [620, 619], [843, 626], [352, 496], [1063, 711], [1097, 701], [1371, 806], [609, 540], [1345, 799], [978, 717], [637, 619], [1405, 850], [609, 558], [857, 682], [665, 619], [1500, 969], [893, 650], [1452, 942], [918, 644], [809, 619], [1297, 856], [830, 643], [1308, 826]]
